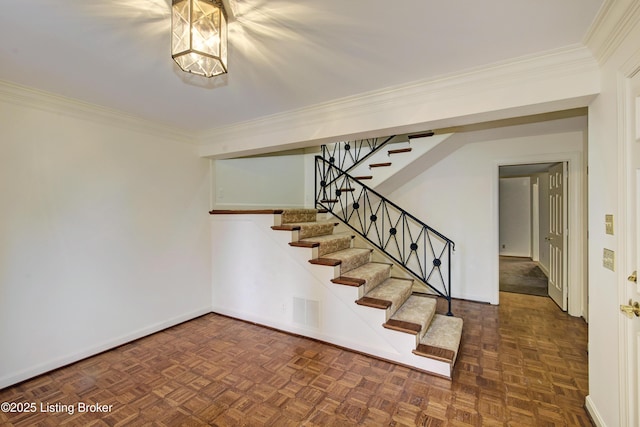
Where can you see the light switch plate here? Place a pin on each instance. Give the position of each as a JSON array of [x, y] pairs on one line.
[[608, 259], [608, 222]]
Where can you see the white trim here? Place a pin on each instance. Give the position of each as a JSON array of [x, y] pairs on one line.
[[576, 271], [535, 221], [212, 183], [626, 71], [45, 101], [555, 80], [107, 345], [593, 412], [611, 27], [621, 249]]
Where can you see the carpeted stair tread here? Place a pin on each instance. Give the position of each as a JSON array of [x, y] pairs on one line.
[[308, 229], [414, 316], [298, 215], [348, 259], [438, 336], [442, 339], [394, 291], [373, 273], [327, 243]]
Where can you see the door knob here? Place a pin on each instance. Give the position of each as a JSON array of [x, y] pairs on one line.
[[631, 309], [634, 277]]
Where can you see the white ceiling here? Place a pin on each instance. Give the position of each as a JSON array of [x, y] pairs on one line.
[[283, 54]]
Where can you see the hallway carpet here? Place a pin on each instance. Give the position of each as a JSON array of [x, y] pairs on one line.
[[523, 276]]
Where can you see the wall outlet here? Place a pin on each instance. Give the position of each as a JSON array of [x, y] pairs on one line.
[[608, 259], [608, 223]]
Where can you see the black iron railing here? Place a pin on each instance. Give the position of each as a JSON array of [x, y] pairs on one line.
[[421, 250], [346, 155]]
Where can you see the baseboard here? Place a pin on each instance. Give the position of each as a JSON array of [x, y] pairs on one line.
[[306, 332], [331, 340], [593, 413], [514, 254], [108, 345], [544, 269]]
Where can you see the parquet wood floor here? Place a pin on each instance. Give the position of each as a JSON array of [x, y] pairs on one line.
[[523, 363]]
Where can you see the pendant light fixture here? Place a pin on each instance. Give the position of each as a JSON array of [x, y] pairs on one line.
[[199, 36]]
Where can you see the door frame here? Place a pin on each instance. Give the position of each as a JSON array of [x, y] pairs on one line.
[[626, 262], [535, 220], [577, 286]]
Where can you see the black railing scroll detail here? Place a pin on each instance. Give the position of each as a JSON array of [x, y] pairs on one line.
[[421, 250]]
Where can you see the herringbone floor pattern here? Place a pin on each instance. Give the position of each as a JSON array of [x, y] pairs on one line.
[[523, 363]]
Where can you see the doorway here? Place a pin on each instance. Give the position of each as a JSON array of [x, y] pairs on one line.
[[523, 252], [533, 228]]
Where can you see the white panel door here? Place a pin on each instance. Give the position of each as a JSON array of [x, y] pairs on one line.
[[557, 236]]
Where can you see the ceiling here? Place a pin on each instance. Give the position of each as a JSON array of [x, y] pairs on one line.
[[283, 54]]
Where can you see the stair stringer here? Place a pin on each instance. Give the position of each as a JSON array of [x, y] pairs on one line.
[[419, 148], [401, 342], [266, 288]]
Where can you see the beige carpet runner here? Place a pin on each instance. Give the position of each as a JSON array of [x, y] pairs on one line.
[[437, 336]]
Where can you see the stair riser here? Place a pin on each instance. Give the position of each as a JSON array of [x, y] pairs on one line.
[[333, 246], [389, 295], [297, 216], [444, 333], [354, 262], [418, 310], [307, 232], [374, 281], [397, 304], [383, 297], [278, 220], [404, 344]]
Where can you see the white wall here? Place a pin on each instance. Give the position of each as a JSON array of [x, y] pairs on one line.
[[259, 182], [459, 197], [274, 284], [607, 196], [104, 233], [515, 216]]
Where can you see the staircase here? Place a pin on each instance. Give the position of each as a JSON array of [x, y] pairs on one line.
[[421, 250], [394, 157], [386, 297]]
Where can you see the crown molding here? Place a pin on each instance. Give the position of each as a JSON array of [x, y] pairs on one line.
[[33, 98], [565, 73], [612, 25]]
